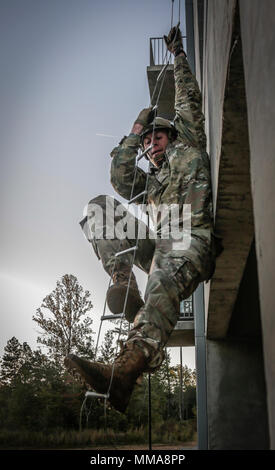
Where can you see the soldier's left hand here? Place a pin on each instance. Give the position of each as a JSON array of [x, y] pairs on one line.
[[174, 40]]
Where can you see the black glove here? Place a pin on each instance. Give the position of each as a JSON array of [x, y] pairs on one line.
[[174, 41]]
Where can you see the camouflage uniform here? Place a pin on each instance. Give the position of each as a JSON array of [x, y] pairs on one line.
[[184, 178]]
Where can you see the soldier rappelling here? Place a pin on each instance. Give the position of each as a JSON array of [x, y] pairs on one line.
[[180, 176]]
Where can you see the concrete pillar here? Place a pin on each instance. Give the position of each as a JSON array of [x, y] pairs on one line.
[[257, 30], [237, 418]]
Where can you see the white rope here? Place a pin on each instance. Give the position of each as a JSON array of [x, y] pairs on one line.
[[161, 78], [172, 13], [143, 201]]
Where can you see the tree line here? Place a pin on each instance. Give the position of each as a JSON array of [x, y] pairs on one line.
[[37, 393]]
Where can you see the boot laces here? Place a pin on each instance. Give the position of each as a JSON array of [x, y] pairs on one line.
[[120, 276], [128, 351], [122, 356]]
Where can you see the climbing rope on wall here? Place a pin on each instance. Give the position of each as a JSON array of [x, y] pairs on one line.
[[142, 153]]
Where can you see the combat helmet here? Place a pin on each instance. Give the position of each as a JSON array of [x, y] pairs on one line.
[[159, 123]]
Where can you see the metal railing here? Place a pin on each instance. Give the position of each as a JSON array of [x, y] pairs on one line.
[[158, 51], [186, 309]]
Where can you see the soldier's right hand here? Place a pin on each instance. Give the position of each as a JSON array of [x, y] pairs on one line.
[[145, 116]]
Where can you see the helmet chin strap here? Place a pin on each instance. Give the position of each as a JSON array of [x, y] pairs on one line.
[[161, 159]]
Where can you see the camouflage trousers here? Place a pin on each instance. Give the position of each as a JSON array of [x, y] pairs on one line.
[[170, 278]]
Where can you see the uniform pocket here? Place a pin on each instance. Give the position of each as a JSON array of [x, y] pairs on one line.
[[187, 279], [163, 179]]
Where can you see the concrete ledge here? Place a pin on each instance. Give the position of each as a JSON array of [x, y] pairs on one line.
[[183, 334], [234, 209], [167, 98]]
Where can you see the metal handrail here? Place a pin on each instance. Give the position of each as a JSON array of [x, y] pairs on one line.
[[158, 51], [186, 309]]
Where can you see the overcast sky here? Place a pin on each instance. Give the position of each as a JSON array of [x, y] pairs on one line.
[[73, 73]]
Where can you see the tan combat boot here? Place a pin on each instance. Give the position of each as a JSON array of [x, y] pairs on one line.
[[128, 366], [116, 294]]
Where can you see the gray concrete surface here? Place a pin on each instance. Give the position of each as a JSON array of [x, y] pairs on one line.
[[257, 29], [237, 418], [183, 334], [167, 96], [234, 209], [240, 314]]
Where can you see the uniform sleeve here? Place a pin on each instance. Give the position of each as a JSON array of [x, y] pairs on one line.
[[191, 180], [124, 170], [189, 120], [196, 191], [191, 176]]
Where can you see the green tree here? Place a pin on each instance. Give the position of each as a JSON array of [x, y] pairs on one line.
[[108, 348], [14, 357], [33, 392], [184, 391], [189, 402], [161, 395], [63, 320]]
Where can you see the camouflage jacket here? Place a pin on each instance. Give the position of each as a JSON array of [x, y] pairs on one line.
[[184, 177]]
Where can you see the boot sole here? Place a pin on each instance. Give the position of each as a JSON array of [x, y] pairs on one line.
[[116, 300]]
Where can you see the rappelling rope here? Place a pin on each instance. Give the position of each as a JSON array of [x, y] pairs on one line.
[[162, 77], [172, 12], [127, 291], [83, 407], [163, 72], [143, 202], [136, 244], [131, 268]]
